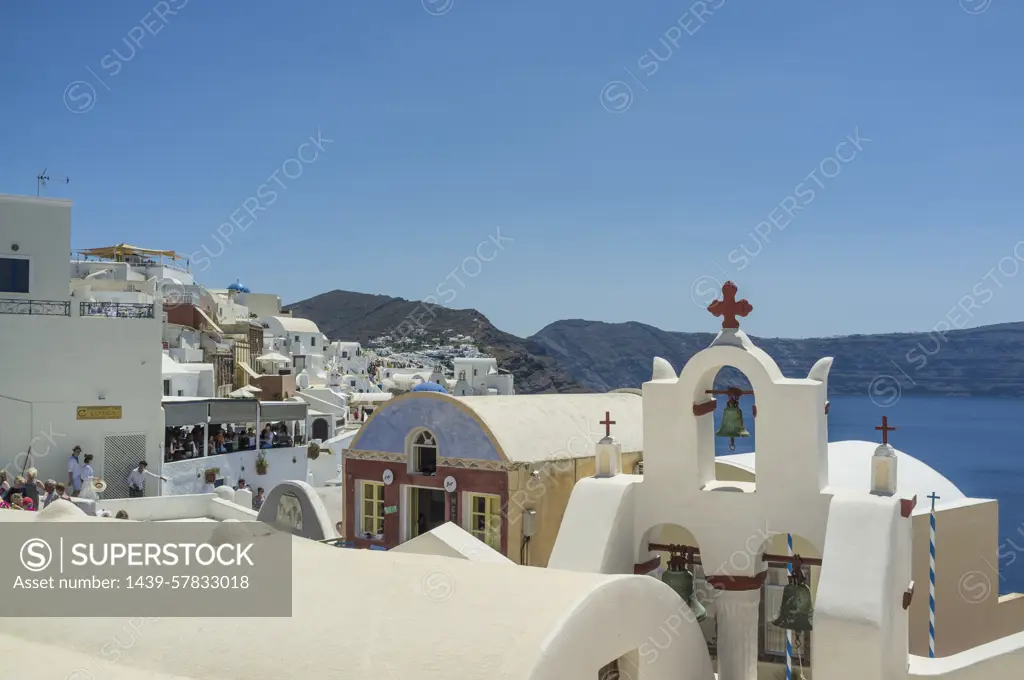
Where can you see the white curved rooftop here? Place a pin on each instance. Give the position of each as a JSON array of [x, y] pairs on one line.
[[557, 623], [849, 469], [538, 427], [292, 324]]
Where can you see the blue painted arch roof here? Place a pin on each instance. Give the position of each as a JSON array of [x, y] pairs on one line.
[[517, 429], [429, 387]]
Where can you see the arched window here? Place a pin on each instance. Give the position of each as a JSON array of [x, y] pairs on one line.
[[320, 429], [423, 458]]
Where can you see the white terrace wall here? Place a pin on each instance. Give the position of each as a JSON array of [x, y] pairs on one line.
[[997, 660], [187, 476], [161, 509], [968, 609]]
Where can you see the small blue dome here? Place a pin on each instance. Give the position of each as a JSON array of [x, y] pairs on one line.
[[238, 287], [429, 387]]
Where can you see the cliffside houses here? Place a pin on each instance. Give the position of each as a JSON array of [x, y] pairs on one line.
[[122, 350]]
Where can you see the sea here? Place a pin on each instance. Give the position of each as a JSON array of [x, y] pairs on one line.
[[973, 442]]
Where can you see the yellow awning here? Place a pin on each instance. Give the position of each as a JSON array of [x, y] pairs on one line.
[[210, 321], [247, 370], [123, 249]]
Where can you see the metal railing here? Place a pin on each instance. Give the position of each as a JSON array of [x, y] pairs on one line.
[[118, 310], [35, 307]]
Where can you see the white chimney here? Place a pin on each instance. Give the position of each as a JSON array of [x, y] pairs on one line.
[[883, 471], [607, 457]]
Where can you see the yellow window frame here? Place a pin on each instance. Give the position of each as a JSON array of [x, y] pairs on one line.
[[372, 510], [489, 519]]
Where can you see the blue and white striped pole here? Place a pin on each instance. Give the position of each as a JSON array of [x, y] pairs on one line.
[[789, 633], [931, 580]]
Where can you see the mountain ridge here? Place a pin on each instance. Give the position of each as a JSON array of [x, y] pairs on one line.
[[575, 355]]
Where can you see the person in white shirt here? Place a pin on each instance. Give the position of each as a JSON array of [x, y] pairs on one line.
[[137, 480], [74, 471], [86, 473]]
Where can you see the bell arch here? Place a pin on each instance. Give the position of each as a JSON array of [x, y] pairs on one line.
[[782, 602], [738, 411], [675, 550]]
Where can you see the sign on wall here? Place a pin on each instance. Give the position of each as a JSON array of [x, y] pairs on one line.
[[390, 509], [453, 499], [99, 413]]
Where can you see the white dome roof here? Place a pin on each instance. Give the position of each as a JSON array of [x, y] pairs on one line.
[[849, 469]]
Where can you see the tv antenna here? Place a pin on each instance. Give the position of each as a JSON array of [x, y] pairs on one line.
[[42, 178]]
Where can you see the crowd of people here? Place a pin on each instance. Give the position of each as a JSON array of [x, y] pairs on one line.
[[26, 492], [183, 443]]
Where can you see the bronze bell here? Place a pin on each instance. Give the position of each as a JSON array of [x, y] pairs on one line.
[[680, 579], [796, 611], [732, 423]]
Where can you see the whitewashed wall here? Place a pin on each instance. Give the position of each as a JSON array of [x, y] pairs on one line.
[[61, 363], [324, 468], [187, 476]]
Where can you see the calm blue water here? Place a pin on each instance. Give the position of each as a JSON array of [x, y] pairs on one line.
[[973, 442]]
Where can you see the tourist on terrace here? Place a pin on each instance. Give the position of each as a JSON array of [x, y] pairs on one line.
[[267, 437], [31, 489], [137, 480], [27, 504], [16, 501], [62, 492], [16, 489], [241, 485], [121, 514], [87, 471], [257, 500], [74, 471], [4, 484], [51, 493]]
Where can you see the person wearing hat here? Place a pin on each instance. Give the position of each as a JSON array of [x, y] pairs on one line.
[[137, 480], [75, 471]]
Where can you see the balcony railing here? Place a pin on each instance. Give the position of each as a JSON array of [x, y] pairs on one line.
[[35, 307], [118, 310]]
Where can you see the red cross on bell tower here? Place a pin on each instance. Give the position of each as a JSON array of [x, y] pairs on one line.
[[729, 307], [885, 429]]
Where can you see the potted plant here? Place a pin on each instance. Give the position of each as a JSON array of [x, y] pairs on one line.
[[313, 451], [261, 463], [211, 475]]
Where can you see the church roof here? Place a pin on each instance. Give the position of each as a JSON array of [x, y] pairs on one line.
[[557, 623], [533, 428], [849, 469]]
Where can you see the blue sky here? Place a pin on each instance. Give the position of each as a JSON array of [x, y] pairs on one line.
[[450, 119]]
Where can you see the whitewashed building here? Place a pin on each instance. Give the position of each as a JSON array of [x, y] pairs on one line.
[[480, 377], [81, 364]]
